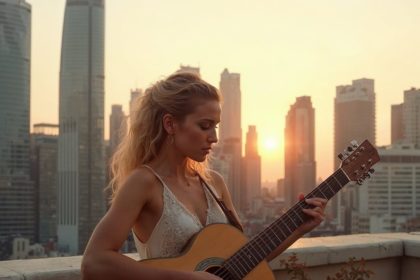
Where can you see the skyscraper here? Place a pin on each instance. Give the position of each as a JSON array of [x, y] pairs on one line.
[[251, 171], [354, 119], [411, 116], [354, 115], [230, 131], [44, 173], [17, 213], [81, 170], [117, 127], [135, 94], [397, 123], [300, 165]]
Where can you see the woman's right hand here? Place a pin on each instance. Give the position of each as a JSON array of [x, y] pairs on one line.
[[202, 275]]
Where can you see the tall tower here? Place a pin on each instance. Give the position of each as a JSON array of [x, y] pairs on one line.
[[354, 119], [117, 127], [300, 165], [17, 201], [81, 169], [230, 132], [251, 168], [397, 124], [411, 116]]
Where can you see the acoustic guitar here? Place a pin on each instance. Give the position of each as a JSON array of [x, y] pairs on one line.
[[225, 251]]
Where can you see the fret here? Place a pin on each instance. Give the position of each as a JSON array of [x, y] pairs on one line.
[[290, 219], [277, 227], [243, 261], [240, 268], [342, 177], [275, 234], [329, 187], [260, 244], [251, 245], [250, 256], [267, 236], [297, 213], [233, 272], [319, 191]]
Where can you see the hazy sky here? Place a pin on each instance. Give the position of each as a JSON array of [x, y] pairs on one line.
[[282, 49]]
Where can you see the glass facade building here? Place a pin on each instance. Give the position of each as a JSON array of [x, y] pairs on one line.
[[81, 159], [17, 214]]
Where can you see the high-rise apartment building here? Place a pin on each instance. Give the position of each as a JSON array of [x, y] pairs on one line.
[[388, 200], [81, 159]]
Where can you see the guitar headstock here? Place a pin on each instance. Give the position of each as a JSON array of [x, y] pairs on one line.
[[357, 161]]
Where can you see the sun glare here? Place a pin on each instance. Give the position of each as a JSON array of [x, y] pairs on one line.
[[270, 144]]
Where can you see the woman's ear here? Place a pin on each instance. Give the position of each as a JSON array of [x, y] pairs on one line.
[[169, 123]]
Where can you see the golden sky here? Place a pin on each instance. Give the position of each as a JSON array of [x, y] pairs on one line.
[[282, 49]]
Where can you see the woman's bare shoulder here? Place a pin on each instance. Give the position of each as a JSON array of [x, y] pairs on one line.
[[138, 183], [216, 180]]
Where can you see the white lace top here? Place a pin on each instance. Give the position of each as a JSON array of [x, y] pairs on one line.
[[176, 225]]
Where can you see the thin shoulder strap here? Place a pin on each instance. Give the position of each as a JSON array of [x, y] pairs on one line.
[[155, 173], [229, 215]]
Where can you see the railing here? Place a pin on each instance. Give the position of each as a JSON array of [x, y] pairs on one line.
[[391, 256]]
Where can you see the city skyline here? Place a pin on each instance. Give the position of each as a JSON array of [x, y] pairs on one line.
[[284, 51]]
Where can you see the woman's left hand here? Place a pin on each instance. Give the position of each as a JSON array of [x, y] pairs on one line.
[[317, 213]]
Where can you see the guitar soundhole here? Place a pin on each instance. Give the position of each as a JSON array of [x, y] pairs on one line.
[[221, 272]]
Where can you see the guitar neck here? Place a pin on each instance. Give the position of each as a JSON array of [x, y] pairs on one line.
[[263, 244]]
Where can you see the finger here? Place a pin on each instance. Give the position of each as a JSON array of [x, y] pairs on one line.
[[314, 214], [316, 201], [301, 196]]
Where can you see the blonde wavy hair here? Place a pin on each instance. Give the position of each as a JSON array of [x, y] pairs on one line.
[[178, 95]]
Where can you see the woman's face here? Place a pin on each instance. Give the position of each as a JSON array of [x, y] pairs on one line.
[[196, 134]]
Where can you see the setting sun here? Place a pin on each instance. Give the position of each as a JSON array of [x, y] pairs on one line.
[[270, 144]]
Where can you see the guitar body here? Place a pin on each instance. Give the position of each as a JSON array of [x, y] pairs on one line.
[[208, 249]]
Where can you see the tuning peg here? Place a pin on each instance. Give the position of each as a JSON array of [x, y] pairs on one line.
[[371, 171], [359, 182], [354, 143], [341, 156], [350, 149]]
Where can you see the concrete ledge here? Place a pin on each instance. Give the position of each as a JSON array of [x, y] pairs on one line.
[[392, 256]]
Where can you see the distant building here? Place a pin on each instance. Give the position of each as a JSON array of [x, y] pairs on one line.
[[44, 149], [354, 119], [230, 131], [189, 69], [411, 116], [391, 198], [117, 127], [17, 194], [135, 96], [300, 165], [397, 123], [251, 172], [81, 150]]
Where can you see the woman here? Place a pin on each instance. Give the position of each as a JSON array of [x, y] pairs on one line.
[[156, 187]]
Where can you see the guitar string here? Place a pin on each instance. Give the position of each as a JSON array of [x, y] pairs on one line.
[[290, 222]]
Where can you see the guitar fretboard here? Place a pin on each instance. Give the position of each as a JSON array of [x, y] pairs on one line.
[[259, 247]]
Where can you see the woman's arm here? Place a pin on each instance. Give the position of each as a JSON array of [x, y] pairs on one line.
[[102, 260]]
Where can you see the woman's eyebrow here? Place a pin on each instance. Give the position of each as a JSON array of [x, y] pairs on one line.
[[210, 120]]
